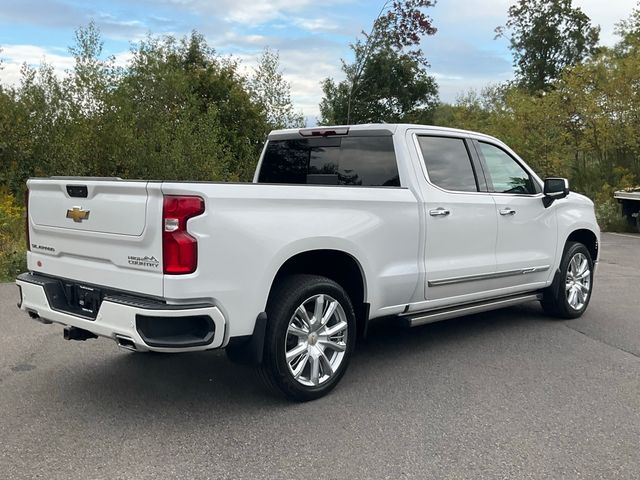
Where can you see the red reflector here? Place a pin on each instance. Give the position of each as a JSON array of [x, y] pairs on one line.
[[179, 249]]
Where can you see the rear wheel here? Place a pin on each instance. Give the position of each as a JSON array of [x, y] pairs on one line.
[[310, 337], [569, 295]]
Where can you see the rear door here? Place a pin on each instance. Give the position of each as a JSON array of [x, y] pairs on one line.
[[460, 219], [100, 232], [527, 231]]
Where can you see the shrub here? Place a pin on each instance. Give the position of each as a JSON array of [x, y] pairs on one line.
[[610, 217], [12, 242]]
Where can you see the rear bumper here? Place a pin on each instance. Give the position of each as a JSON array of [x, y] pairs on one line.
[[144, 325]]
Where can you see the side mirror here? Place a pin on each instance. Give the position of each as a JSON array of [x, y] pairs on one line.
[[554, 189]]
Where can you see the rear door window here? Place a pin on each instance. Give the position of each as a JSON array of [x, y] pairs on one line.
[[448, 163], [357, 161]]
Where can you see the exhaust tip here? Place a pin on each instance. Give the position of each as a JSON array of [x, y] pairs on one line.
[[126, 343], [35, 316]]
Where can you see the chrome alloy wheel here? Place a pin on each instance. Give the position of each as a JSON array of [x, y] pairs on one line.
[[578, 281], [316, 340]]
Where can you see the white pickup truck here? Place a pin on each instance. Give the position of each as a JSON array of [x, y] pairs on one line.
[[340, 226]]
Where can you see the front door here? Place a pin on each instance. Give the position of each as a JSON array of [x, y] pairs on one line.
[[527, 231]]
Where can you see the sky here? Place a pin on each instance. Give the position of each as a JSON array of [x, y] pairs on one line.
[[310, 35]]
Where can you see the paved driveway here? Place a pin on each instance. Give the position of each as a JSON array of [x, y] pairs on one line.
[[509, 394]]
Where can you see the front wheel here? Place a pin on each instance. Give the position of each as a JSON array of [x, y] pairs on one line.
[[569, 295], [310, 337]]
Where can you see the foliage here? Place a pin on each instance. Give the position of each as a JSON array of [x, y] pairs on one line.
[[12, 241], [176, 111], [629, 32], [387, 80], [546, 36], [392, 88], [609, 217], [584, 128], [273, 92]]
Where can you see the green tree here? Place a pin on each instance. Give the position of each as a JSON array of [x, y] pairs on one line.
[[386, 80], [182, 112], [177, 111], [545, 37], [273, 92], [629, 32]]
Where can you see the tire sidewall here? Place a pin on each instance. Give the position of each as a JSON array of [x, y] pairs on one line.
[[570, 252], [292, 293]]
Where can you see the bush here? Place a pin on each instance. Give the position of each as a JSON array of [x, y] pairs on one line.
[[13, 259], [610, 217]]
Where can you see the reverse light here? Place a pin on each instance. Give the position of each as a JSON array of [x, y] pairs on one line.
[[179, 249]]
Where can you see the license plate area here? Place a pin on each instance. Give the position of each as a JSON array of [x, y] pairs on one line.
[[73, 298], [83, 300]]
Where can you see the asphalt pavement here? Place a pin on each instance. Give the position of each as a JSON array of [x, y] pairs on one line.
[[506, 394]]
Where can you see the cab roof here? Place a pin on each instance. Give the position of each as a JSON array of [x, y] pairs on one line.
[[367, 129]]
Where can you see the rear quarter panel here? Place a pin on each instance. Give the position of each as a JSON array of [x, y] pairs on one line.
[[250, 230]]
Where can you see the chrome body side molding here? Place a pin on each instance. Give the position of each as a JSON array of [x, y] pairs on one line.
[[486, 276]]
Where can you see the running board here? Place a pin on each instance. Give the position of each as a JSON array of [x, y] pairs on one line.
[[421, 318]]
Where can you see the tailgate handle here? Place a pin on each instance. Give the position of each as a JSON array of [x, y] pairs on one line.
[[77, 191]]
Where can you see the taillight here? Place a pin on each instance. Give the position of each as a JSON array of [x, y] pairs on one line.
[[179, 249], [26, 218]]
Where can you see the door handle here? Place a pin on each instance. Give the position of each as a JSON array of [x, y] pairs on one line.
[[507, 211], [439, 212]]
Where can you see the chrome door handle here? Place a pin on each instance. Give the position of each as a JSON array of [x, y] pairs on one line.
[[507, 211], [439, 212]]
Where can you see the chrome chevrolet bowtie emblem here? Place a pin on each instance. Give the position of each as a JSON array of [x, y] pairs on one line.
[[77, 214]]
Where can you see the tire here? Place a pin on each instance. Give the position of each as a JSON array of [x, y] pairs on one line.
[[569, 294], [318, 354]]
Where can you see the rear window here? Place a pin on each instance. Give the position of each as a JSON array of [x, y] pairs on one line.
[[359, 161]]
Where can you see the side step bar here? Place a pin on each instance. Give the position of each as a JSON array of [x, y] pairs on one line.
[[415, 319]]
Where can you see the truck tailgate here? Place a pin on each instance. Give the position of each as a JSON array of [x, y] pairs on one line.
[[99, 232]]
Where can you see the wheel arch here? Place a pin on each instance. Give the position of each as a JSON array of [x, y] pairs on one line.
[[339, 266], [586, 237]]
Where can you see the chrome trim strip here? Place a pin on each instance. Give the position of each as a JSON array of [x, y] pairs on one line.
[[486, 276], [446, 313]]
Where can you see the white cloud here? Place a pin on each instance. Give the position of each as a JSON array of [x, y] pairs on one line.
[[606, 13], [462, 52], [303, 70], [316, 24], [14, 56], [250, 12]]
